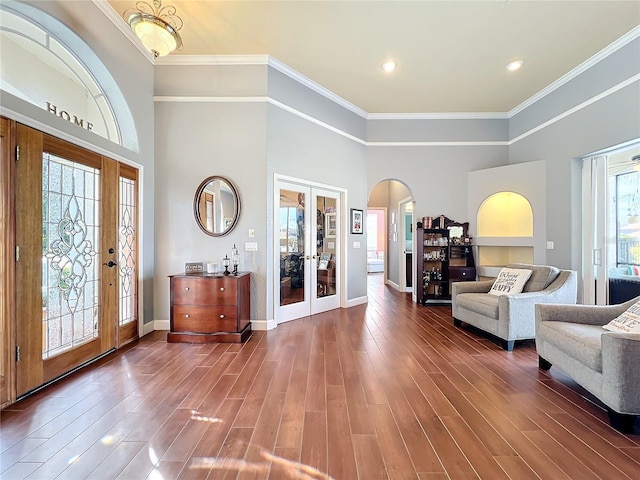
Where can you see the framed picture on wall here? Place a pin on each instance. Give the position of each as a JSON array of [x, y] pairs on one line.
[[330, 225], [357, 221]]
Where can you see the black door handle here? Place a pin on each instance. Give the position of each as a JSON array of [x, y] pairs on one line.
[[110, 264]]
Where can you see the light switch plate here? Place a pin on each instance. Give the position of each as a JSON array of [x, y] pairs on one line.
[[356, 244], [250, 246], [550, 245], [252, 233]]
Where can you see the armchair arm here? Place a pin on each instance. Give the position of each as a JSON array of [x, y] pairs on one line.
[[620, 372], [482, 286], [585, 314], [516, 312]]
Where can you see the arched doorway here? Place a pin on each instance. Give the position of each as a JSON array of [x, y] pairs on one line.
[[390, 244]]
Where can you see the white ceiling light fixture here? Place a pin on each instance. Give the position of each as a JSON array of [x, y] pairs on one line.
[[389, 66], [513, 66], [156, 26]]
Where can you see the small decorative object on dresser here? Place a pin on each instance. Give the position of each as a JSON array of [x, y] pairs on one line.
[[210, 308]]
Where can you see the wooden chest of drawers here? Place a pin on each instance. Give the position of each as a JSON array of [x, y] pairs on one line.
[[210, 308]]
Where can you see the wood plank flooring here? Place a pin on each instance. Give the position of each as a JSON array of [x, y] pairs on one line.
[[388, 390]]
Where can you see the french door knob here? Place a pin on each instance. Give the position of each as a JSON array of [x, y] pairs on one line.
[[110, 264]]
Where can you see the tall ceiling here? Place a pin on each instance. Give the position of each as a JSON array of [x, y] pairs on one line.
[[451, 55]]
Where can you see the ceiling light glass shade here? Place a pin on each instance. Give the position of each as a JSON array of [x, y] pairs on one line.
[[156, 26]]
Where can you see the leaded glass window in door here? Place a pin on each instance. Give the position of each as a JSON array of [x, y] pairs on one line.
[[127, 251], [70, 244]]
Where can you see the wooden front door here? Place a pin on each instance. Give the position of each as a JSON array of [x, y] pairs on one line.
[[67, 223]]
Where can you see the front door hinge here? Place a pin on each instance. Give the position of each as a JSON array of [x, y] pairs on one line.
[[17, 253], [17, 152], [17, 353]]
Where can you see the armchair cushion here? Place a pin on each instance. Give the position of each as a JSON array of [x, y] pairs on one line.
[[541, 276], [480, 303], [579, 341]]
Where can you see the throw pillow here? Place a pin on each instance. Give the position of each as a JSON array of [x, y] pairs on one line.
[[628, 322], [510, 280]]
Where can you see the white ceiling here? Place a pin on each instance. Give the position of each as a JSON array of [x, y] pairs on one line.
[[451, 55]]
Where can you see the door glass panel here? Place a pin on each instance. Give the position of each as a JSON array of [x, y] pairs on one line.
[[70, 274], [292, 232], [127, 251], [326, 236]]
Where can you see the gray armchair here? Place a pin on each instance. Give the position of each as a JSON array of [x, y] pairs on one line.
[[511, 317], [605, 363]]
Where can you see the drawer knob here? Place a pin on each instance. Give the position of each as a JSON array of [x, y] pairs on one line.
[[187, 315], [187, 288], [222, 315], [222, 289]]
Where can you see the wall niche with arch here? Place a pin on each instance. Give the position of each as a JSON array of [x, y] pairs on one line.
[[509, 206]]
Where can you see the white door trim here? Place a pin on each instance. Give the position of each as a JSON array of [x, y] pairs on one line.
[[341, 281]]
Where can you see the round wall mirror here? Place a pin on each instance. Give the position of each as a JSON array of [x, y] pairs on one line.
[[216, 206]]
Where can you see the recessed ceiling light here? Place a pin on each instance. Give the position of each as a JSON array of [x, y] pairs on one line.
[[513, 66], [389, 66]]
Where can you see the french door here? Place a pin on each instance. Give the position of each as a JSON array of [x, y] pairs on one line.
[[76, 257], [307, 250]]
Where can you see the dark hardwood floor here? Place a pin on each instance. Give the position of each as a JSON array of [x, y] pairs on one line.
[[385, 390]]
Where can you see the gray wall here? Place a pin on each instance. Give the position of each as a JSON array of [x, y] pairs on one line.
[[600, 124], [303, 149], [133, 73], [248, 142], [435, 175], [195, 140]]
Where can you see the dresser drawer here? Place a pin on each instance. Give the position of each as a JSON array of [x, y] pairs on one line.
[[199, 319], [204, 291], [462, 274]]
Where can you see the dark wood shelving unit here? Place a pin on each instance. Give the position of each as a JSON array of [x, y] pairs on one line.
[[441, 262]]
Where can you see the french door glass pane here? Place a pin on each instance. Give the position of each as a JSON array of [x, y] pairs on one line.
[[127, 251], [70, 271], [326, 235], [292, 232]]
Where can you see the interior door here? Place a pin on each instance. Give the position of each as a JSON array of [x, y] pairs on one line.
[[307, 252], [66, 225]]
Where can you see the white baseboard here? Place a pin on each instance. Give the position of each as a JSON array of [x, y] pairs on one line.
[[356, 301], [161, 325], [263, 324], [394, 285], [154, 325]]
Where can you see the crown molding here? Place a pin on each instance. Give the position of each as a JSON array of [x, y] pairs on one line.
[[213, 60], [584, 66], [121, 25], [316, 87], [438, 116], [571, 111]]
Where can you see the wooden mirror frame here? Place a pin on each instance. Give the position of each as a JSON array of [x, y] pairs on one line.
[[464, 226], [197, 206]]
